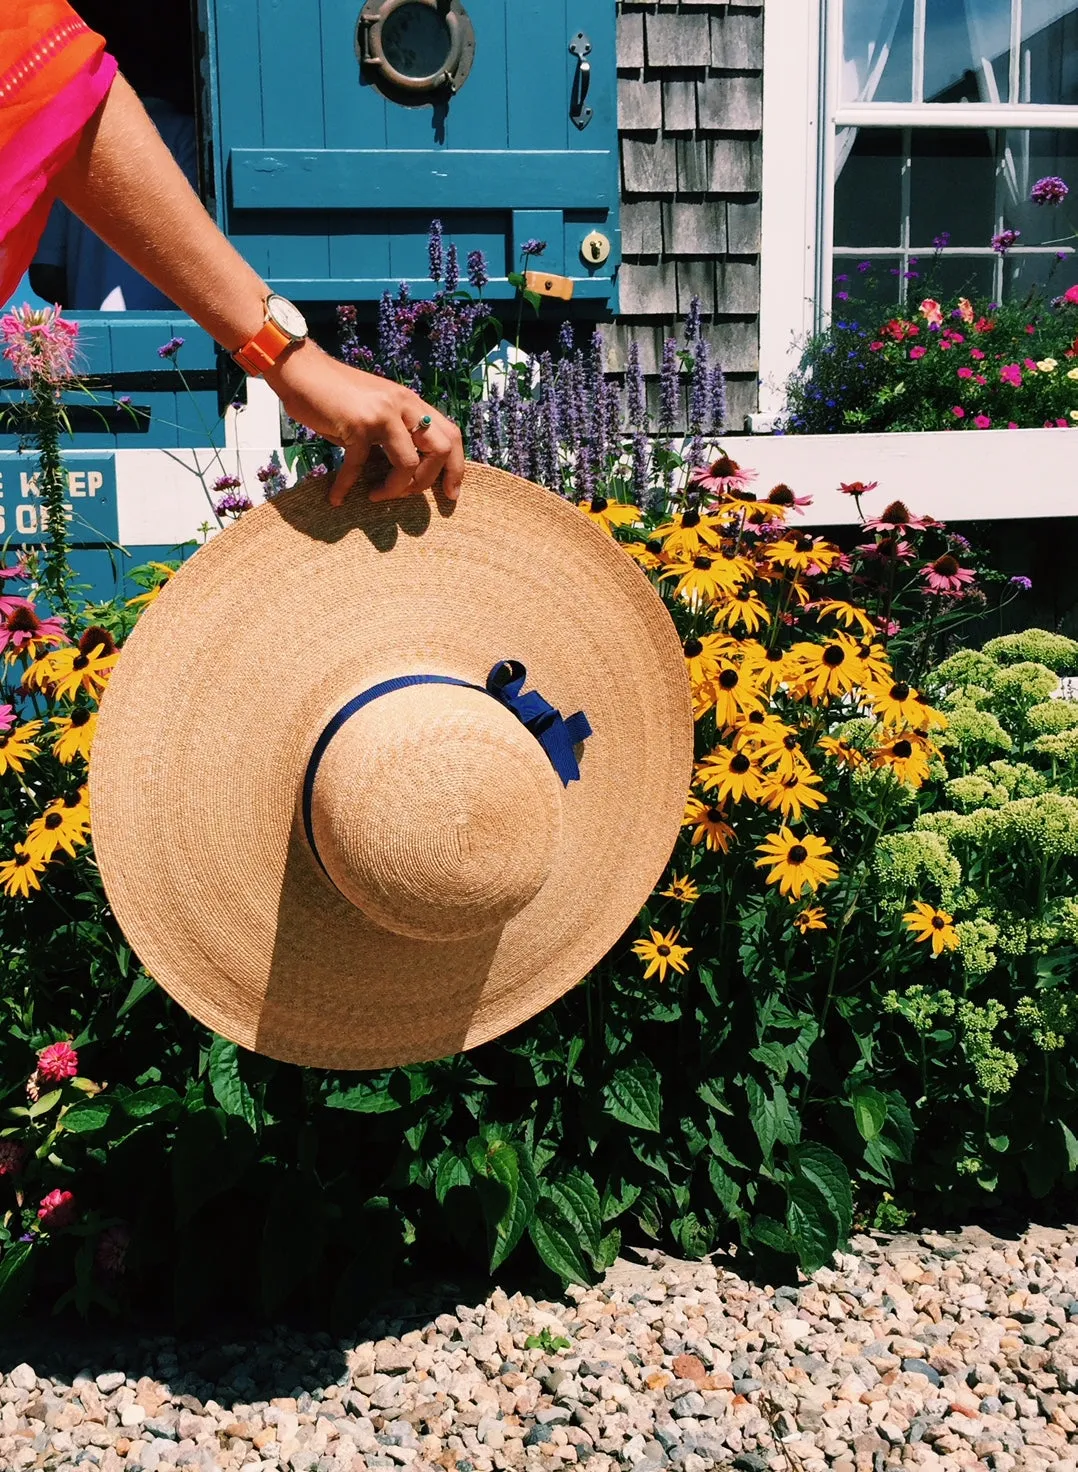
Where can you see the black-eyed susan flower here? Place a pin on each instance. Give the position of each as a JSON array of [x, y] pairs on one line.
[[662, 952], [907, 756], [770, 668], [926, 923], [164, 573], [803, 553], [789, 795], [648, 554], [744, 608], [812, 917], [796, 863], [609, 514], [58, 827], [846, 614], [74, 735], [928, 718], [703, 577], [734, 694], [874, 662], [17, 747], [709, 825], [732, 774], [781, 748], [82, 666], [827, 670], [21, 873], [842, 751], [681, 888], [897, 704], [702, 656], [687, 534]]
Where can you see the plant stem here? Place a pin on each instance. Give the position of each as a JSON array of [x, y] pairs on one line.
[[51, 488]]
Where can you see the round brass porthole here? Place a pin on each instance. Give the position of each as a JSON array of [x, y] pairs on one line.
[[416, 50]]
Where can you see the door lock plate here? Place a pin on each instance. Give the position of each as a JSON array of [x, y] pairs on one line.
[[595, 248]]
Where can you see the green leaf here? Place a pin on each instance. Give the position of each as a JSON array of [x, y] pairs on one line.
[[141, 987], [44, 1104], [577, 1198], [1071, 1144], [823, 1169], [148, 1102], [533, 298], [632, 1096], [811, 1223], [725, 1187], [557, 1243], [363, 1099], [772, 1234], [515, 278], [228, 1087], [16, 1276], [771, 1118], [619, 1200], [869, 1112], [88, 1115], [774, 1058], [506, 1165], [451, 1171], [609, 1247]]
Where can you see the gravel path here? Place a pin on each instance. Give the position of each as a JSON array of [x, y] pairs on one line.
[[934, 1351]]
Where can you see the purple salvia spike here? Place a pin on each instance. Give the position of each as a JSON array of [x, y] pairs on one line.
[[634, 389], [512, 424], [390, 337], [699, 396], [495, 427], [565, 338], [612, 416], [692, 322], [478, 272], [669, 386], [477, 435], [716, 411], [452, 269], [434, 250]]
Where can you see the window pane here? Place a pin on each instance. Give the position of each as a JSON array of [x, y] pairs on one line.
[[967, 49], [952, 186], [1027, 158], [1048, 70], [868, 293], [868, 191], [877, 51], [1020, 273], [954, 276]]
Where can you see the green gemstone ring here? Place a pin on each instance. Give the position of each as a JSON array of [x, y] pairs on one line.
[[424, 423]]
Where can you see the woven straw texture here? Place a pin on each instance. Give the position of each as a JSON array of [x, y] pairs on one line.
[[433, 806]]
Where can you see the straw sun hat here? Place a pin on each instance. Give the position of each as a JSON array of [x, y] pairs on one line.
[[331, 861]]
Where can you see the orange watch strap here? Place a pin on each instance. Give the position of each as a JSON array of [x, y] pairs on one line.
[[263, 350]]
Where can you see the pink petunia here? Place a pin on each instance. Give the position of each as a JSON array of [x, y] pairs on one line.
[[918, 352], [980, 378], [1031, 365], [931, 311], [12, 1155], [976, 353], [982, 421], [965, 372], [1012, 425], [958, 411], [57, 1062], [946, 576], [1012, 374], [57, 1209]]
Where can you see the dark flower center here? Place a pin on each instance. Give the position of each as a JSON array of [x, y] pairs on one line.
[[798, 854], [72, 800], [53, 820], [728, 679], [757, 717], [662, 950], [897, 513], [79, 717], [743, 495], [834, 655], [693, 647], [653, 544], [80, 662], [743, 595], [901, 691], [938, 922], [740, 763], [774, 656], [23, 621], [703, 563], [946, 565], [714, 815], [804, 543], [20, 860], [94, 636], [691, 518], [599, 503], [790, 742], [790, 781], [781, 495], [4, 741], [724, 466], [903, 749]]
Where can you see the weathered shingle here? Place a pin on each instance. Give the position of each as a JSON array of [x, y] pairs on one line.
[[641, 227], [630, 42], [640, 106], [742, 398], [696, 278], [743, 227], [733, 166], [737, 344], [694, 228], [648, 167], [649, 341], [735, 103], [679, 106], [738, 286], [677, 40], [648, 290], [737, 40]]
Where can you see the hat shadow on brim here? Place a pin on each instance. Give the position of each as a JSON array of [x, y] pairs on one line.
[[380, 521]]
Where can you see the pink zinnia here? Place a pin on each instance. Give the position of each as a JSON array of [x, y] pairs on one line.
[[958, 411], [897, 517], [982, 421], [918, 352], [874, 347], [57, 1209], [111, 1253], [1012, 425], [1012, 374], [965, 310], [39, 344], [945, 576], [965, 372], [980, 378], [1031, 365], [57, 1062], [1071, 295], [12, 1155]]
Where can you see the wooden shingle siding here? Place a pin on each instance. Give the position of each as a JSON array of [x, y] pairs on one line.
[[690, 98]]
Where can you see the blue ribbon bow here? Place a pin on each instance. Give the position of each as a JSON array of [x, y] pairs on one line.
[[555, 734]]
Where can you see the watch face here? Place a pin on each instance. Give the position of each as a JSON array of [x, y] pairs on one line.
[[287, 316]]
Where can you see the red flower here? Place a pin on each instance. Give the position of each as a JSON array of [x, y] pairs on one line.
[[57, 1062], [918, 352], [111, 1253], [1071, 295], [12, 1155], [976, 353], [57, 1209], [857, 487], [958, 411]]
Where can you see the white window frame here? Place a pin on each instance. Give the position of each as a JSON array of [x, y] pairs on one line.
[[801, 117]]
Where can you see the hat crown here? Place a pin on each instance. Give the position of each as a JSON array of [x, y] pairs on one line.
[[436, 812]]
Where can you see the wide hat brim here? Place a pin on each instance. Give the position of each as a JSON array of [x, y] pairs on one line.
[[209, 720]]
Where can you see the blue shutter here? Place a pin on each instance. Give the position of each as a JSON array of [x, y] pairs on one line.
[[328, 187]]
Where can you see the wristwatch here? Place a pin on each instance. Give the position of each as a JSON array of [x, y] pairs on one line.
[[285, 325]]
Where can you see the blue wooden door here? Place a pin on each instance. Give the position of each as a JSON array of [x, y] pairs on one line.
[[328, 186]]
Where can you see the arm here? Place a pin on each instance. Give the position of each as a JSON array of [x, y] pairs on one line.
[[124, 183]]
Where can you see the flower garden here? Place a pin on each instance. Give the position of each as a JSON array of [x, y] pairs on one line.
[[848, 1001]]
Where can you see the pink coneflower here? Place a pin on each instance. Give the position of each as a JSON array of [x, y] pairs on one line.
[[7, 717], [857, 487], [982, 421], [782, 495], [57, 1062], [945, 576], [918, 352], [21, 630], [111, 1254], [958, 411], [12, 1155], [886, 549], [39, 343], [722, 477], [20, 571], [57, 1209], [897, 517]]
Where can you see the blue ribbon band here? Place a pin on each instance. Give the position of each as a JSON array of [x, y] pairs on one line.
[[556, 734]]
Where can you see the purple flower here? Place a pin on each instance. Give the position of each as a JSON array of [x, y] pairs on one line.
[[227, 483], [512, 411], [716, 400], [634, 388], [477, 437], [942, 240], [565, 337], [495, 427], [272, 476], [452, 269], [641, 467], [236, 404], [391, 339], [864, 266], [698, 397], [170, 348], [1004, 240], [1049, 190], [692, 321], [434, 250], [669, 389], [478, 273], [533, 247], [842, 296], [234, 504], [444, 341], [124, 399], [1023, 583]]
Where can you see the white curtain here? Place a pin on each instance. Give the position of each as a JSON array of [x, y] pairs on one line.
[[868, 31]]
